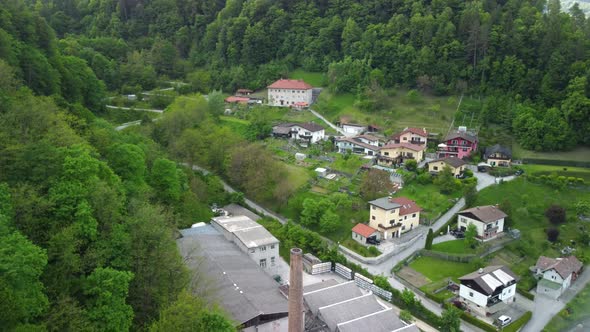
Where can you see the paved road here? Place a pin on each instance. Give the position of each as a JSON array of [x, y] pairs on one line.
[[128, 124], [134, 109], [339, 130], [546, 308]]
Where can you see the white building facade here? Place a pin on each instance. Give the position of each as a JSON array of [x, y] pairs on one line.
[[488, 220], [488, 290], [353, 129], [288, 93], [308, 131], [253, 239]]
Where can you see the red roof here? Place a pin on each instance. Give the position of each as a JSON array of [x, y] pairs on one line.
[[290, 84], [408, 205], [236, 99], [300, 103], [410, 146], [363, 230], [417, 131]]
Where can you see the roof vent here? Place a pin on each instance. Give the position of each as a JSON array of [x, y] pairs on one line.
[[480, 271], [462, 129]]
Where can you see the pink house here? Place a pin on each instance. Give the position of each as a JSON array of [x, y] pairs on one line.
[[458, 143]]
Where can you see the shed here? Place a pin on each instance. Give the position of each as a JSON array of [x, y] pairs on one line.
[[361, 232], [321, 171], [299, 156]]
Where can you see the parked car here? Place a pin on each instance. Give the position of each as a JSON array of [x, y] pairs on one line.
[[519, 172], [373, 240], [504, 320]]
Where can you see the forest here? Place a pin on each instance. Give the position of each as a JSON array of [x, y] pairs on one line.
[[88, 214]]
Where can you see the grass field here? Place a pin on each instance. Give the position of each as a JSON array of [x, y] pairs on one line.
[[453, 247], [238, 126], [315, 79], [437, 269], [430, 112], [578, 172], [350, 165], [298, 176], [578, 154], [429, 198]]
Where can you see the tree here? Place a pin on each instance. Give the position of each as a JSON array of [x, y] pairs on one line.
[[376, 183], [189, 313], [471, 235], [582, 207], [106, 289], [451, 320], [310, 214], [470, 193], [215, 103], [555, 214], [409, 297], [429, 239], [329, 222], [552, 234], [411, 165], [446, 181], [165, 180], [506, 207]]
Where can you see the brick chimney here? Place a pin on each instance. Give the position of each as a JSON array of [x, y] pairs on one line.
[[296, 292]]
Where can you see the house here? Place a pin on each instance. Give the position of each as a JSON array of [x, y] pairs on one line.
[[393, 216], [253, 239], [361, 144], [353, 129], [243, 92], [557, 274], [227, 276], [394, 154], [488, 290], [415, 136], [343, 307], [361, 232], [287, 93], [456, 165], [237, 100], [307, 132], [498, 155], [488, 219], [458, 143]]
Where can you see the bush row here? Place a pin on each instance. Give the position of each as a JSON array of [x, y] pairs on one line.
[[517, 324], [474, 321], [525, 293]]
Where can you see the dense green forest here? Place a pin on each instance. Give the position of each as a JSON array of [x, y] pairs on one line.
[[88, 214], [528, 59]]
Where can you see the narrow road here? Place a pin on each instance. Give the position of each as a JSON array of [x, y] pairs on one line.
[[128, 124], [135, 109], [339, 130]]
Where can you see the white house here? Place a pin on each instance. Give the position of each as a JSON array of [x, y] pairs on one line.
[[290, 93], [361, 232], [557, 274], [362, 144], [308, 132], [488, 219], [353, 129], [488, 290], [253, 239]]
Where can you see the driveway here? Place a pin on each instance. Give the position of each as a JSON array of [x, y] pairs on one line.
[[338, 129]]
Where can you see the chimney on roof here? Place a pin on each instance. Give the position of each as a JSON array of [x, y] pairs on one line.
[[480, 271], [462, 129], [296, 292]]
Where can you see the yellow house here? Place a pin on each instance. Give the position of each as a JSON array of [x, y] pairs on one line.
[[456, 165], [396, 153], [498, 155], [393, 216]]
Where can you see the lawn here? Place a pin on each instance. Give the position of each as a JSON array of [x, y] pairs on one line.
[[298, 176], [315, 79], [429, 198], [437, 269], [453, 247], [360, 249], [578, 172], [431, 112], [347, 164], [238, 126], [578, 154], [576, 312]]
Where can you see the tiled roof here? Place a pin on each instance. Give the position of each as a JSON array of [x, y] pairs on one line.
[[497, 148], [290, 84], [363, 230], [236, 99], [486, 213], [461, 134], [452, 161], [491, 277], [408, 206], [564, 266], [410, 146], [417, 131], [359, 143]]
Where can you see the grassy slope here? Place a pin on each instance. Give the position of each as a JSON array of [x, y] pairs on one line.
[[437, 269], [429, 198], [578, 172], [315, 79], [578, 154], [453, 247]]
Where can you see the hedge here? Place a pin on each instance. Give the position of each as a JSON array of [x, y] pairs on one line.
[[525, 293], [519, 323], [433, 297], [556, 162], [474, 321]]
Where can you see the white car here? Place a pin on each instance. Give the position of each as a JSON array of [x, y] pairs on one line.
[[504, 320]]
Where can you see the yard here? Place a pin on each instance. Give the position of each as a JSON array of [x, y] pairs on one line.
[[437, 269], [578, 172], [578, 154], [370, 251], [454, 247], [429, 198]]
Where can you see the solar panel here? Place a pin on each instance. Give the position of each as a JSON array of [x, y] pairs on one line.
[[491, 281], [503, 277]]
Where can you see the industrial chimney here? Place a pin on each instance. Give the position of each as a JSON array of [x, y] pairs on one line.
[[296, 292]]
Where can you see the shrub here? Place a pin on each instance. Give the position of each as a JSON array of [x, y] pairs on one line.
[[555, 214], [552, 234], [517, 324], [406, 316], [424, 178]]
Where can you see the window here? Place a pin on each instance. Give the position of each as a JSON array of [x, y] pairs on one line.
[[373, 217], [405, 217], [405, 138], [403, 227], [454, 142], [263, 248], [392, 221], [272, 246], [252, 251], [414, 215], [263, 262], [386, 153], [272, 261], [471, 294], [400, 219], [464, 149]]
